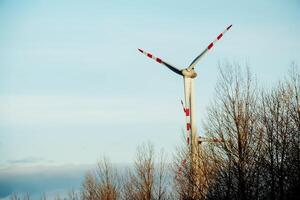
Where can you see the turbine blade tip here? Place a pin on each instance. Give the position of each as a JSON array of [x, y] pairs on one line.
[[229, 27], [140, 50]]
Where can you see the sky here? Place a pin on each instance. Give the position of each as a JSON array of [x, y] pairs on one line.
[[73, 86]]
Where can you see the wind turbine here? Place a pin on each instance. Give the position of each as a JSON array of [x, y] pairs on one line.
[[189, 92]]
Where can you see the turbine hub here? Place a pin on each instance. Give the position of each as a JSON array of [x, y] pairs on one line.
[[189, 73]]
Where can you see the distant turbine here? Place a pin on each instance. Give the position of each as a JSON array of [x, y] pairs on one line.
[[188, 76]]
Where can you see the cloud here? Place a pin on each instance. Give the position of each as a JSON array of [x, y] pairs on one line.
[[28, 160]]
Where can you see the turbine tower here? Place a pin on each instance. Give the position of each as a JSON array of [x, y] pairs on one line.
[[189, 75]]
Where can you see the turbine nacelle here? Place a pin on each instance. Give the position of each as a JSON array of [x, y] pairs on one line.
[[189, 73]]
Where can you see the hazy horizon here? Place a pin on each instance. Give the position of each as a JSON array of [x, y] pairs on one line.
[[54, 180]]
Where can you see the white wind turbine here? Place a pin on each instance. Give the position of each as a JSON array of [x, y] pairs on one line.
[[188, 76]]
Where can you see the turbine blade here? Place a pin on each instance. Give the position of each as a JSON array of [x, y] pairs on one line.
[[174, 69], [187, 108], [186, 111], [196, 60]]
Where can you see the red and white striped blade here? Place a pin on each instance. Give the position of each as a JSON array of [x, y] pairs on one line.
[[187, 113], [187, 108], [174, 69], [209, 47]]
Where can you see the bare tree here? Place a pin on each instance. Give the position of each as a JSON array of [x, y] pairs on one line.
[[43, 196], [280, 121], [107, 180], [293, 83], [147, 181], [161, 178], [26, 196], [281, 124], [277, 126], [57, 197], [14, 196], [89, 187], [140, 183], [102, 184], [234, 118], [73, 195]]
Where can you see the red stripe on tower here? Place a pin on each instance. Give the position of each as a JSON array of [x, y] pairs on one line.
[[188, 126], [188, 140], [149, 55], [219, 37], [158, 60], [187, 112], [210, 45]]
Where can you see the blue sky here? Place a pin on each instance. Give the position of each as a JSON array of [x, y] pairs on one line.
[[73, 86]]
